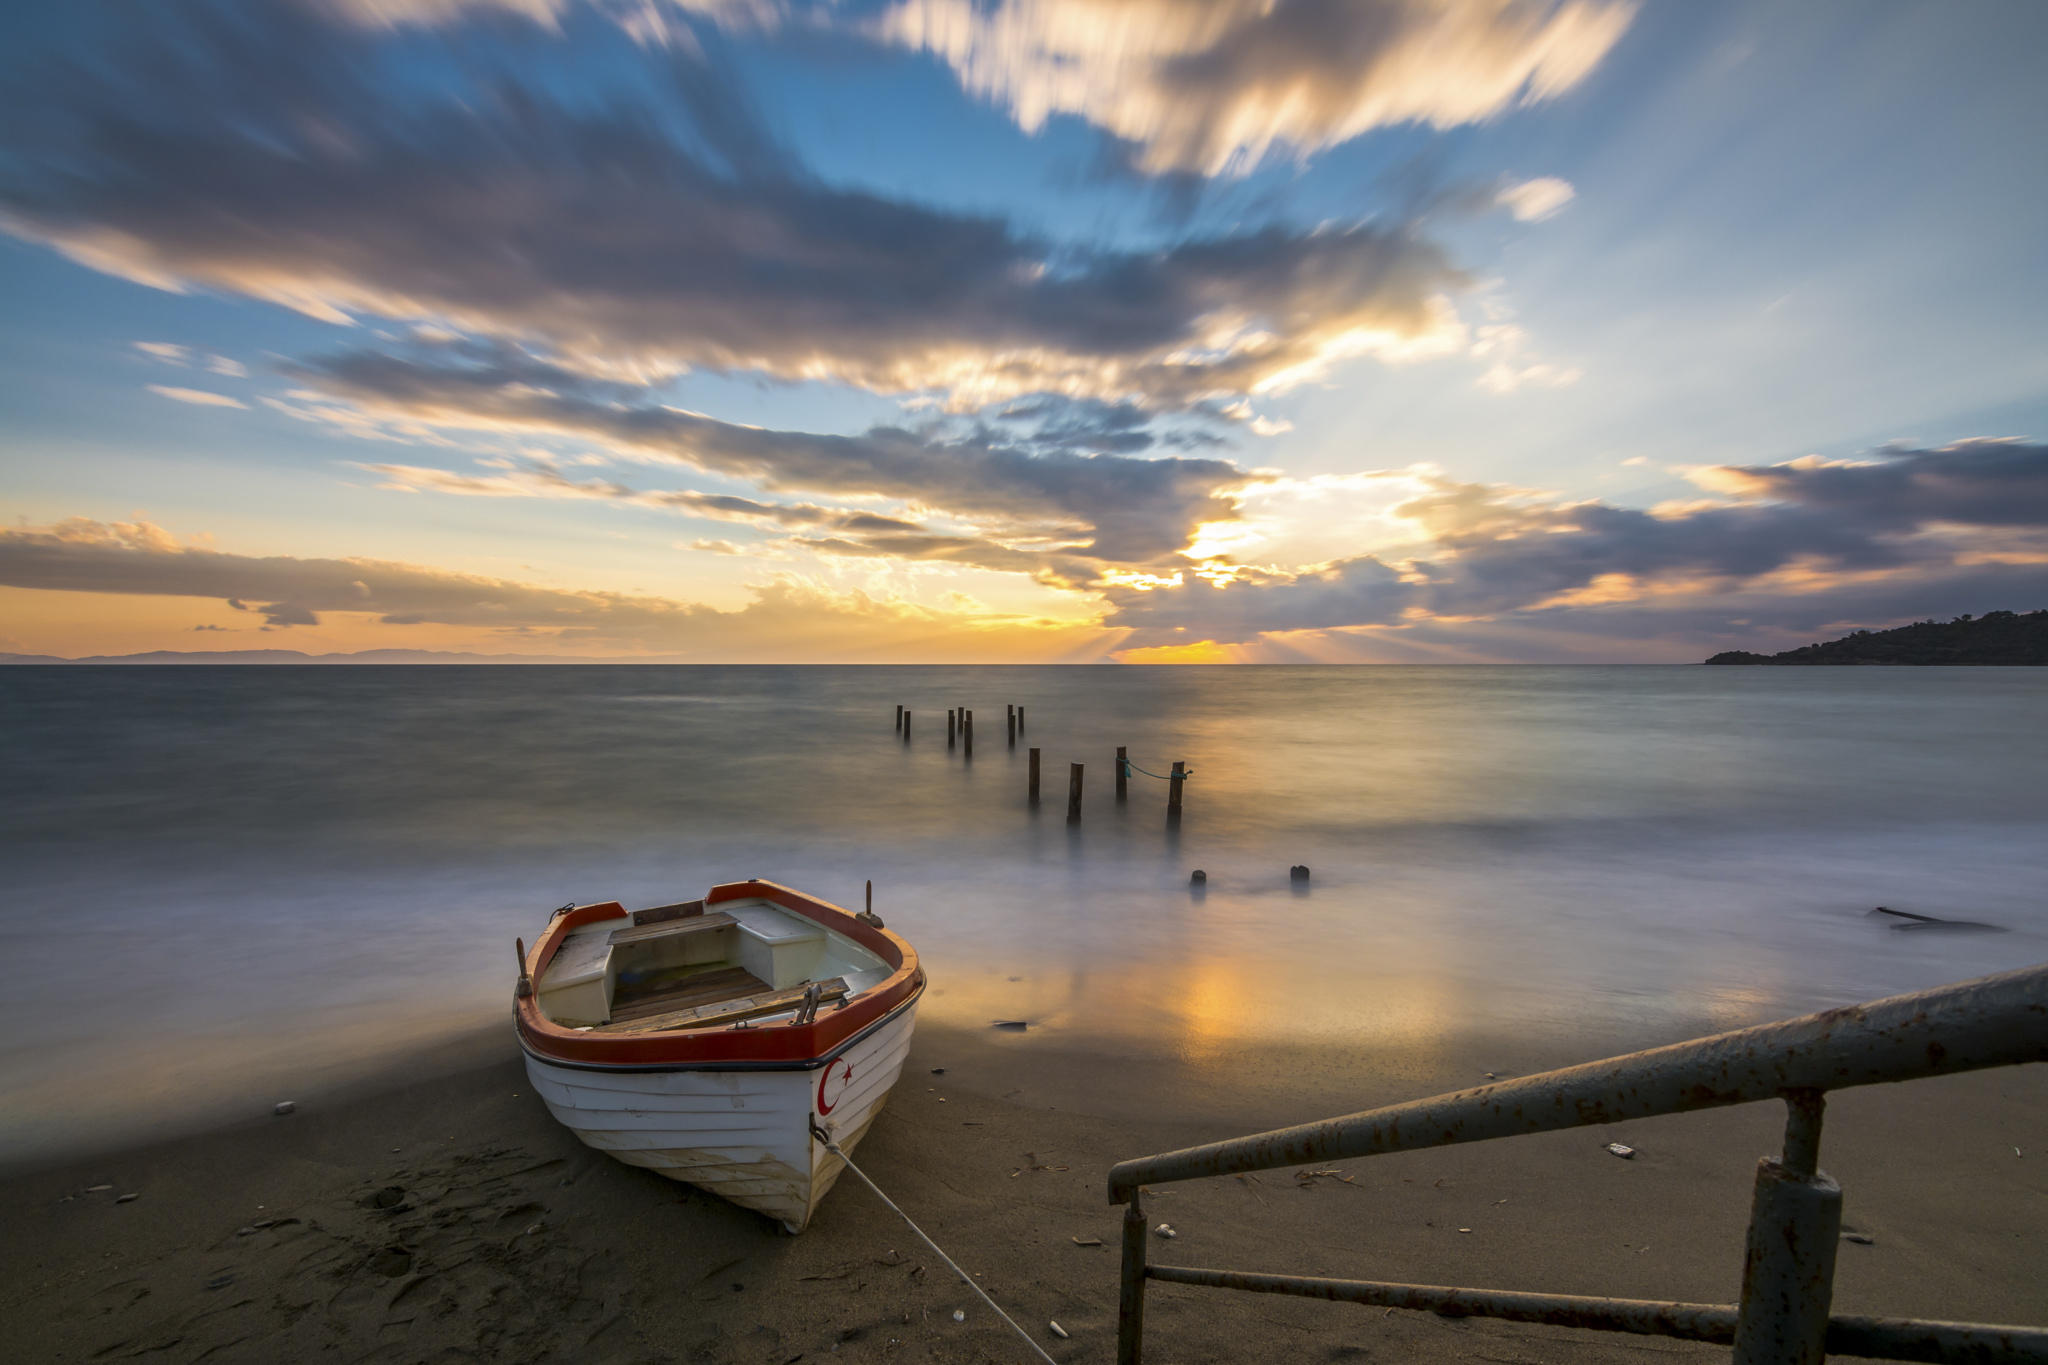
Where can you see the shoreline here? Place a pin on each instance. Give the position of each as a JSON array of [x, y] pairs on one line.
[[506, 1237]]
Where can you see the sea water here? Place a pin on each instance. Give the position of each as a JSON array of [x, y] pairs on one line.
[[222, 881]]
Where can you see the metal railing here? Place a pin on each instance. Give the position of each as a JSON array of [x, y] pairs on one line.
[[1783, 1317]]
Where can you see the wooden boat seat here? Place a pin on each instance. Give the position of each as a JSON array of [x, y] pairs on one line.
[[671, 928], [726, 1011]]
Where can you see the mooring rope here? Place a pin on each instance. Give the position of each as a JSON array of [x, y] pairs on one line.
[[1163, 777], [965, 1278]]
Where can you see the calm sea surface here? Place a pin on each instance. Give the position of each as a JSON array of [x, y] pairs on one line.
[[223, 880]]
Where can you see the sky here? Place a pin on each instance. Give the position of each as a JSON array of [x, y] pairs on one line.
[[1374, 331]]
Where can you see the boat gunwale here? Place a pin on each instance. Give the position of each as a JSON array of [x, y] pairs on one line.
[[801, 1064], [776, 1046]]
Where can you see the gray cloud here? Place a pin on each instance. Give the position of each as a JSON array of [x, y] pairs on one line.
[[1963, 528], [784, 621], [1120, 509], [258, 152]]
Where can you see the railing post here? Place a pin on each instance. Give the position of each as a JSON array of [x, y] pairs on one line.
[[1130, 1304], [1788, 1267]]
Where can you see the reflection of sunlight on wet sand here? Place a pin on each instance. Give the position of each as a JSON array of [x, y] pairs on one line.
[[1233, 984]]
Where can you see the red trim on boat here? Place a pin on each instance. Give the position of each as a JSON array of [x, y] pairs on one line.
[[781, 1042]]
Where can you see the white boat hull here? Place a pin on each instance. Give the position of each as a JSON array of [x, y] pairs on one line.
[[744, 1135]]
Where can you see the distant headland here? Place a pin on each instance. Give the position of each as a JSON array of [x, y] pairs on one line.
[[1997, 637]]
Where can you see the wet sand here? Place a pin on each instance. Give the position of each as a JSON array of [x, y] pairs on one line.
[[438, 1213]]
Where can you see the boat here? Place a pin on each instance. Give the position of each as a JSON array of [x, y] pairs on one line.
[[722, 1042]]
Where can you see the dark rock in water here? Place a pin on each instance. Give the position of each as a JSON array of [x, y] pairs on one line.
[[1298, 873], [1934, 925], [1198, 876], [1016, 1025]]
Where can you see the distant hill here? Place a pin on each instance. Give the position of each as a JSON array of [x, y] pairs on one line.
[[1997, 637], [293, 656]]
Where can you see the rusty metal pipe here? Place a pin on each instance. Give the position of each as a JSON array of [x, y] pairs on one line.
[[1647, 1317], [1956, 1343], [1999, 1020]]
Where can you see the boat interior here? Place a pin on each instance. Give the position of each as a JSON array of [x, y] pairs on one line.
[[682, 966]]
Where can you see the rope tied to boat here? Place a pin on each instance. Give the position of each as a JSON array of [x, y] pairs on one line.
[[1130, 767], [833, 1147]]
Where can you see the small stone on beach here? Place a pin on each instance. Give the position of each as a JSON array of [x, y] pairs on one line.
[[284, 1107], [1164, 1230], [123, 1199], [1859, 1238], [102, 1189], [1622, 1150], [1087, 1241], [1018, 1025], [938, 1071], [959, 1315], [1058, 1330]]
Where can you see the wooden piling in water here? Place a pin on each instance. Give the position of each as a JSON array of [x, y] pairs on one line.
[[899, 718], [1020, 720], [1013, 724], [1123, 772], [906, 726], [1176, 777], [1033, 788], [1074, 794], [967, 734], [950, 717]]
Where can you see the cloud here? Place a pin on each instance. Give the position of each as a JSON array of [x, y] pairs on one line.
[[200, 397], [787, 619], [643, 239], [1108, 507], [1531, 201], [1213, 86], [1911, 532], [167, 351]]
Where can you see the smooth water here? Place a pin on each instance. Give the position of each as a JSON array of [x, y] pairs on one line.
[[223, 878]]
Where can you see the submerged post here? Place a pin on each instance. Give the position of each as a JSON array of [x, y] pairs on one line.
[[1074, 794], [1174, 780], [1123, 772], [1034, 777], [1788, 1264]]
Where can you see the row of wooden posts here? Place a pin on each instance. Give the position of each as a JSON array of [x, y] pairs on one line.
[[960, 731]]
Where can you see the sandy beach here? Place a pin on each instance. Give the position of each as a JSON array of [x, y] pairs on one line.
[[437, 1213]]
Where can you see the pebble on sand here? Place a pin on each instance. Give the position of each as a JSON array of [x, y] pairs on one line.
[[1165, 1230], [284, 1107], [126, 1198], [1622, 1150]]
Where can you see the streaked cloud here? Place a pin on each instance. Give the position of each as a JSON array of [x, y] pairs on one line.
[[787, 619], [640, 240], [1531, 201], [1213, 86], [1107, 507], [199, 397], [1950, 527]]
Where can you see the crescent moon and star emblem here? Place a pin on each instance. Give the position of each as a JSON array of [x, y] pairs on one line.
[[837, 1073]]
